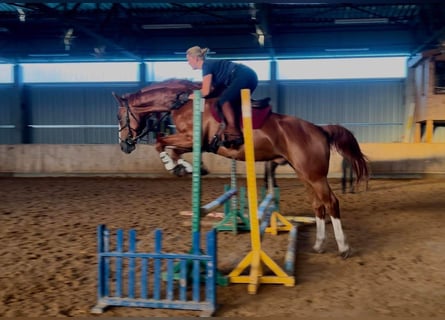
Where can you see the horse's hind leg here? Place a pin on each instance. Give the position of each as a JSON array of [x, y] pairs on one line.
[[325, 200], [320, 223]]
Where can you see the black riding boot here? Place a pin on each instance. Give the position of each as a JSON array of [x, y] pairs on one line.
[[232, 135]]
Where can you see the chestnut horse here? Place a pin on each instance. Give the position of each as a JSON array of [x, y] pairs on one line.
[[302, 144]]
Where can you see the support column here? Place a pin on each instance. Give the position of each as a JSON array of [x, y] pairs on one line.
[[429, 131], [418, 133], [23, 116]]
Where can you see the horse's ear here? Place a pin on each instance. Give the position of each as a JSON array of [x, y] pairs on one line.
[[118, 98]]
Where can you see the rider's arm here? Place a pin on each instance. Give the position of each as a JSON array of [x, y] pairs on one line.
[[206, 85]]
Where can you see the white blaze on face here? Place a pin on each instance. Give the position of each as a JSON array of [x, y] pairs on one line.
[[119, 133]]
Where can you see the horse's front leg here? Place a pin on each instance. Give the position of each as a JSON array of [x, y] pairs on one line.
[[174, 163], [177, 165]]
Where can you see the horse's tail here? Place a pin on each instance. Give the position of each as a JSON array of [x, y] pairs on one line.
[[347, 146]]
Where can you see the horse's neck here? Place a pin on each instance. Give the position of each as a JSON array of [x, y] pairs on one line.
[[155, 99]]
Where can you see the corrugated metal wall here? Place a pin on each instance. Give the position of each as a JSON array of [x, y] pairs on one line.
[[73, 114], [373, 109], [86, 113], [9, 113]]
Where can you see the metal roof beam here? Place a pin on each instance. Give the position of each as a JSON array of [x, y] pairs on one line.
[[67, 20]]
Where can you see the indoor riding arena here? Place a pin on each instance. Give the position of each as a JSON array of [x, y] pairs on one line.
[[88, 230]]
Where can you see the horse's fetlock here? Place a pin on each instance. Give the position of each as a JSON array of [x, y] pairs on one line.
[[188, 167], [167, 160]]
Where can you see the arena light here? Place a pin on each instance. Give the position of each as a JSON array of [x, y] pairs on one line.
[[164, 26], [362, 21], [42, 55], [345, 49], [22, 15]]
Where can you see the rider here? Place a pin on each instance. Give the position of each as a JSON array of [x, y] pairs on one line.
[[226, 79]]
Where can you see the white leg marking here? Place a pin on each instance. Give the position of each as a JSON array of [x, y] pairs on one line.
[[339, 235], [167, 160], [188, 167], [321, 234]]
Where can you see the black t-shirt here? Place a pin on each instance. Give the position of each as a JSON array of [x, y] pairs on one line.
[[219, 69]]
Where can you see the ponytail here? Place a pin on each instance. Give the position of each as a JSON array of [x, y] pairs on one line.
[[197, 51]]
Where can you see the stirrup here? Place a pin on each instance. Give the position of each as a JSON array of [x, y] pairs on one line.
[[214, 144]]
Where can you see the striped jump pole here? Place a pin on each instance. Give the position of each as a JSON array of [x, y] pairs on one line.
[[209, 207], [256, 259], [196, 162], [198, 108], [265, 211]]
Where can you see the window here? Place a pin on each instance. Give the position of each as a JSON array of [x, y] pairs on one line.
[[158, 71], [342, 68], [81, 72], [163, 70], [6, 73], [261, 67]]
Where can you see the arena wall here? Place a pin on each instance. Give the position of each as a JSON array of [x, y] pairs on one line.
[[386, 159]]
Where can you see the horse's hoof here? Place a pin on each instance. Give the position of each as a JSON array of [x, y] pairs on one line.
[[318, 250], [346, 254], [179, 170]]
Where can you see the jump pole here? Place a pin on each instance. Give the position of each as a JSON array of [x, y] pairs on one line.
[[196, 176], [196, 162], [256, 259]]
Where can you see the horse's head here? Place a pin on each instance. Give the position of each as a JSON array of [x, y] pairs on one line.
[[135, 108], [128, 125]]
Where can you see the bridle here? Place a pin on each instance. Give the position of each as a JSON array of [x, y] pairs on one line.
[[132, 138]]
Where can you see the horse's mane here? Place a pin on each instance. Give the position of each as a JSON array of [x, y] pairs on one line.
[[161, 94], [172, 83]]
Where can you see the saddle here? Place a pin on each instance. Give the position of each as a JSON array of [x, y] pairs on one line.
[[260, 112], [260, 103]]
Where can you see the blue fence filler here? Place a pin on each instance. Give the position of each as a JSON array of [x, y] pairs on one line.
[[134, 279]]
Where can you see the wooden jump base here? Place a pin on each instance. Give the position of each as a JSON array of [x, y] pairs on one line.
[[134, 279]]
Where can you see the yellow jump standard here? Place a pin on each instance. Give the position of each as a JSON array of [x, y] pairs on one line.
[[257, 259]]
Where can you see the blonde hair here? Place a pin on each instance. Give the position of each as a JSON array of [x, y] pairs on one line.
[[197, 51]]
